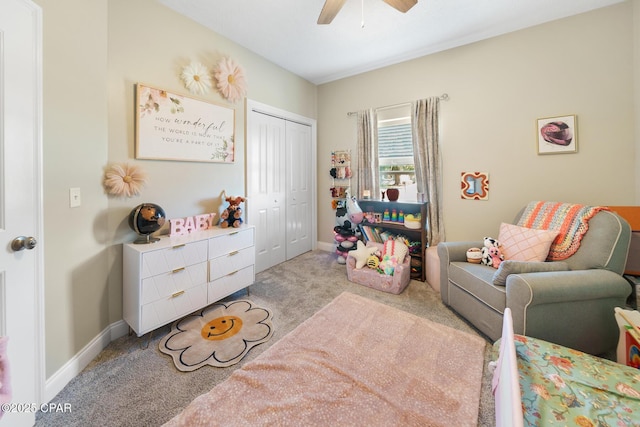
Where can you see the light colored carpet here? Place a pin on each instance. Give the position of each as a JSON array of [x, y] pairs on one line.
[[130, 385], [354, 362]]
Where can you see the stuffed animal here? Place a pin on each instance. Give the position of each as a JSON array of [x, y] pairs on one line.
[[362, 254], [490, 242], [345, 242], [388, 265], [474, 255], [232, 216], [373, 262], [394, 252], [496, 257]]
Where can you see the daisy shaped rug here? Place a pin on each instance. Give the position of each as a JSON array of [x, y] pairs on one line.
[[219, 335]]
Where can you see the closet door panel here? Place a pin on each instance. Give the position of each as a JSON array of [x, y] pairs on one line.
[[299, 216], [266, 190]]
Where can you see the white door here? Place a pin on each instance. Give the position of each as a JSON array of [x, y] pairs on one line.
[[281, 180], [20, 205], [266, 188], [299, 185]]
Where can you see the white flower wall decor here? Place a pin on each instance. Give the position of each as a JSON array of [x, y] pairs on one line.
[[124, 180], [196, 78], [231, 81]]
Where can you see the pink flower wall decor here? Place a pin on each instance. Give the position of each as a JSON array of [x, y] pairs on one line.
[[124, 180], [231, 80]]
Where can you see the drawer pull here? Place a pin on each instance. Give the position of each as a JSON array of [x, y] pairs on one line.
[[233, 233], [177, 294], [232, 273], [178, 246], [178, 270], [234, 253]]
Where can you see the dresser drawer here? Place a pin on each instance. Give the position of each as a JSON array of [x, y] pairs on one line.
[[227, 243], [172, 258], [168, 309], [166, 284], [230, 283], [229, 263]]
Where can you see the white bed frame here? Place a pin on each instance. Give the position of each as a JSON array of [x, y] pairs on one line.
[[506, 385]]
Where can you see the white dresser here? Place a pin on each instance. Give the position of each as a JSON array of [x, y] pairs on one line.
[[168, 279]]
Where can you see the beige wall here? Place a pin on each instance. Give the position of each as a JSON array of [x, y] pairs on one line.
[[582, 65], [149, 43], [75, 151], [636, 68], [94, 53]]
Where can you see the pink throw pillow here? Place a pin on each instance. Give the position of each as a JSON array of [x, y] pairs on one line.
[[525, 244]]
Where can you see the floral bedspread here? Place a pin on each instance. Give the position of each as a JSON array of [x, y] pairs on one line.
[[561, 386]]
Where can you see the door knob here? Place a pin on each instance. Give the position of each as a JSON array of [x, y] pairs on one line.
[[22, 242]]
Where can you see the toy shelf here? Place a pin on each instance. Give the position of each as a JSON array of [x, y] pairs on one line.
[[415, 234]]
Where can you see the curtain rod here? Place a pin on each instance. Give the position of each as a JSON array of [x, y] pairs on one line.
[[443, 97]]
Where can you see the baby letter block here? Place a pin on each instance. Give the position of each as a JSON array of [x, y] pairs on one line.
[[190, 224]]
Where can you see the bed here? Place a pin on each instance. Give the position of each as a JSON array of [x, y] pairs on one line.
[[355, 362], [537, 383]]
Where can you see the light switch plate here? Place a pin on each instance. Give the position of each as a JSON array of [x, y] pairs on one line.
[[75, 199]]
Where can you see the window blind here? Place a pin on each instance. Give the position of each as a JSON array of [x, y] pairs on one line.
[[395, 141]]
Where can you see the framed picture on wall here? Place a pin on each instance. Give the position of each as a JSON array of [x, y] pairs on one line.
[[557, 135], [177, 127]]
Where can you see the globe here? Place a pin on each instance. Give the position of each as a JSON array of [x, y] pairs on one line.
[[145, 219]]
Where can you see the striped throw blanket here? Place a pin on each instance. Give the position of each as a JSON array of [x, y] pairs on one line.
[[570, 220]]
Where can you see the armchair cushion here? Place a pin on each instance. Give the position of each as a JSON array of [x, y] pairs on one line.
[[508, 267], [525, 244]]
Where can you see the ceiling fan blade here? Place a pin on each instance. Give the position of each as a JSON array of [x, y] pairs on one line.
[[330, 10], [401, 5]]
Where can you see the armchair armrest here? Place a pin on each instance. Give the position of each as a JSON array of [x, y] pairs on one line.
[[451, 252], [456, 251], [565, 299]]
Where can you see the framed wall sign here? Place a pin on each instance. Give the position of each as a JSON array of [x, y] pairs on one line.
[[557, 135], [177, 127]]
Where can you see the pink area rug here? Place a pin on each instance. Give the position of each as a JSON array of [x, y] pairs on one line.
[[354, 362]]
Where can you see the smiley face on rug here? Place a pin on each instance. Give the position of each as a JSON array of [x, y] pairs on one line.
[[221, 328]]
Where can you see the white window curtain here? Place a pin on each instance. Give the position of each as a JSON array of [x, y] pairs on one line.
[[368, 170], [428, 163]]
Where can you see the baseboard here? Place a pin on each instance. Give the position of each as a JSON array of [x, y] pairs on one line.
[[77, 363]]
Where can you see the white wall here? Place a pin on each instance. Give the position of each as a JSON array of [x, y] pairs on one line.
[[581, 65]]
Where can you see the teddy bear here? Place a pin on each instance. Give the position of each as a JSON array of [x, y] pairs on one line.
[[490, 242], [232, 216]]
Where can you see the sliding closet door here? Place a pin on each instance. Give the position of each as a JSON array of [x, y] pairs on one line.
[[299, 189], [266, 188], [281, 183]]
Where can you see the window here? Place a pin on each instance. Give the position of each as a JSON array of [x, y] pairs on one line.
[[395, 152]]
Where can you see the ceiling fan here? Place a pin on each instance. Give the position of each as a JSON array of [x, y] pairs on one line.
[[332, 7]]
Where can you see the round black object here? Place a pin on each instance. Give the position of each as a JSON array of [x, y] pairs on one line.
[[147, 218]]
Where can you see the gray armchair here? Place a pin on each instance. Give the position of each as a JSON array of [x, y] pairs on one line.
[[574, 308]]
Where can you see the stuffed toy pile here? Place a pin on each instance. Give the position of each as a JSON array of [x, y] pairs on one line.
[[490, 254], [385, 262]]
